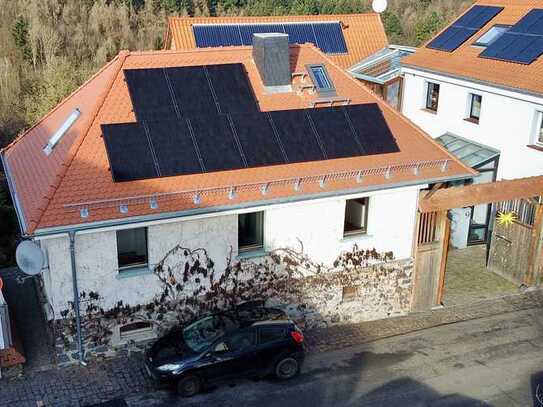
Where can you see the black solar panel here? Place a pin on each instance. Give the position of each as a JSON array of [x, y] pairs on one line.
[[372, 129], [522, 44], [298, 138], [232, 88], [192, 91], [174, 93], [465, 27], [216, 143], [258, 140], [335, 133], [130, 156], [173, 147], [150, 94]]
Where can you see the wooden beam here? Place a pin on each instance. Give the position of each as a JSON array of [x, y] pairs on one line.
[[535, 251], [460, 197]]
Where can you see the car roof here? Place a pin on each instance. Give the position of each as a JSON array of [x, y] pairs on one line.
[[273, 322]]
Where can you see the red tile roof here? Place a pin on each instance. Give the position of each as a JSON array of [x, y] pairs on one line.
[[78, 170], [464, 62], [364, 33]]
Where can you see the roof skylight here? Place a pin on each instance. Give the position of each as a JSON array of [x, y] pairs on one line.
[[491, 35], [321, 79], [53, 141]]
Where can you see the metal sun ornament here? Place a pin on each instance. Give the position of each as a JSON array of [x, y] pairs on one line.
[[506, 218]]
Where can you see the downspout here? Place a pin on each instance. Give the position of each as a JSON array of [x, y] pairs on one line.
[[80, 349]]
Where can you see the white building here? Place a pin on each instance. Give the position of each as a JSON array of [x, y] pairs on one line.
[[228, 150], [482, 94]]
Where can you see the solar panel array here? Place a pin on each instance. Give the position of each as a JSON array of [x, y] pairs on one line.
[[522, 44], [175, 93], [327, 36], [464, 28], [210, 143]]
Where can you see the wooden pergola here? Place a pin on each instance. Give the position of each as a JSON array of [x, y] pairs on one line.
[[433, 228]]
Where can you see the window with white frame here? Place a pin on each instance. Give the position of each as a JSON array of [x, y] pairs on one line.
[[432, 96], [132, 248], [475, 103], [135, 330], [539, 129], [356, 217], [250, 231], [492, 35]]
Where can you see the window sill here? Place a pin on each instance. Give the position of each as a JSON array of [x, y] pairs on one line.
[[535, 147], [425, 109], [251, 254], [355, 236], [471, 120], [133, 272]]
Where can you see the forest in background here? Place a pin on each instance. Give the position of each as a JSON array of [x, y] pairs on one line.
[[49, 47]]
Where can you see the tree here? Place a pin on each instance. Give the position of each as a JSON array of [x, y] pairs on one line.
[[427, 27], [392, 23], [21, 38]]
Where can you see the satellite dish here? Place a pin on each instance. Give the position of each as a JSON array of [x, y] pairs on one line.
[[379, 5], [29, 258]]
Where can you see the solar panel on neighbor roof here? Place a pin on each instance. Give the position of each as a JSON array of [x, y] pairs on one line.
[[522, 44], [174, 93], [328, 36], [215, 142], [463, 28]]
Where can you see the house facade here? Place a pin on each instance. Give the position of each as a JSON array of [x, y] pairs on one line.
[[477, 91], [177, 182]]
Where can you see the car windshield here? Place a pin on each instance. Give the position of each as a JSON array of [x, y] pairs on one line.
[[202, 333]]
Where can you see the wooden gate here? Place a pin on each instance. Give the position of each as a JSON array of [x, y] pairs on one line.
[[431, 248], [515, 249]]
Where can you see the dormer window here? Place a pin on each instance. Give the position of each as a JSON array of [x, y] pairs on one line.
[[321, 80], [491, 35], [53, 141]]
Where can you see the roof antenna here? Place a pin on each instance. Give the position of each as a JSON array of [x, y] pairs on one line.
[[379, 6]]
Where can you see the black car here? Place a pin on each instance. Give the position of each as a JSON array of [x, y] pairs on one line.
[[246, 342]]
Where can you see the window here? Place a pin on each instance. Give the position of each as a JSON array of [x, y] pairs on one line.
[[61, 131], [240, 341], [271, 334], [539, 133], [250, 231], [475, 107], [492, 35], [132, 248], [321, 79], [356, 217], [135, 330], [432, 96]]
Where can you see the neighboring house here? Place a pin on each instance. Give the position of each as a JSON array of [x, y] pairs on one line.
[[235, 150], [355, 42], [478, 88]]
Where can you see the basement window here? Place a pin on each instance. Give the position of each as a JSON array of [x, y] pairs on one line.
[[62, 130], [132, 248], [349, 293], [135, 330], [356, 217], [491, 35], [250, 231], [321, 79]]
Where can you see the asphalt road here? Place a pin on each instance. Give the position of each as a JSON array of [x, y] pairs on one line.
[[495, 361]]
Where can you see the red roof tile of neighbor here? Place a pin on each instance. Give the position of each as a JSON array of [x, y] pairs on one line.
[[464, 62], [364, 33], [78, 170]]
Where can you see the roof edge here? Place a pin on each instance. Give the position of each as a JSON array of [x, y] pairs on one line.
[[224, 208], [74, 148], [13, 192]]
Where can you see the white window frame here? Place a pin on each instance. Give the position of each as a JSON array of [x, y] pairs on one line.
[[537, 128], [426, 93], [365, 218], [469, 107]]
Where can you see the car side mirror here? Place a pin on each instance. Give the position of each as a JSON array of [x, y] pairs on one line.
[[221, 347]]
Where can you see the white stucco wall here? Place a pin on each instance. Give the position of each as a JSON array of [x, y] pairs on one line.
[[318, 224], [507, 122]]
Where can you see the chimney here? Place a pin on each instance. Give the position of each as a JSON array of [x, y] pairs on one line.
[[271, 56]]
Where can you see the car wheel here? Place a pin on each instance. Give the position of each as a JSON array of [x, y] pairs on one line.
[[188, 386], [287, 368]]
